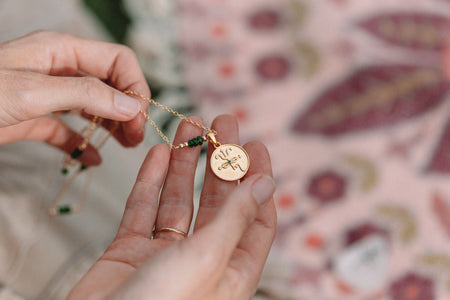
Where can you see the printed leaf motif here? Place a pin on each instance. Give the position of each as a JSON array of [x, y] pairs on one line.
[[442, 211], [308, 57], [369, 176], [439, 260], [417, 31], [405, 219], [440, 162], [373, 97]]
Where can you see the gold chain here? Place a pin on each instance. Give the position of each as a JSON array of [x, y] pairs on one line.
[[168, 109], [90, 132]]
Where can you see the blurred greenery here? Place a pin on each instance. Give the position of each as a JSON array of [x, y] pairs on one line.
[[116, 20], [112, 15]]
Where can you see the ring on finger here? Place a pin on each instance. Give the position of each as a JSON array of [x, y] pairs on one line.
[[184, 234]]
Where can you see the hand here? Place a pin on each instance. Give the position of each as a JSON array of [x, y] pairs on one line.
[[233, 232], [46, 72]]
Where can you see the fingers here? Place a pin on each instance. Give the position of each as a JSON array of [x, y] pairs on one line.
[[194, 267], [258, 238], [215, 190], [241, 207], [27, 96], [53, 132], [142, 205], [176, 204], [58, 54]]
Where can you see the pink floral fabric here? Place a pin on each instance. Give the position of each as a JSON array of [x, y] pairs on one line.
[[352, 99]]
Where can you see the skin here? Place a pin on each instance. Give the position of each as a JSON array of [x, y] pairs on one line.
[[223, 257], [46, 72]]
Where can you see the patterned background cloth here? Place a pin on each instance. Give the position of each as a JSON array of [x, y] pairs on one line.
[[352, 99]]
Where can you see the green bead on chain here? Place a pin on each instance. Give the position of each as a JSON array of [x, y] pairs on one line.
[[198, 141]]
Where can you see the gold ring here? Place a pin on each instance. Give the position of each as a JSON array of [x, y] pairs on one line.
[[184, 234]]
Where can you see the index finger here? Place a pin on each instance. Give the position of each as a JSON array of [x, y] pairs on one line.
[[56, 54]]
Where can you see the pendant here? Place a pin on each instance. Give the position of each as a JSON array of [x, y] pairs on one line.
[[229, 162]]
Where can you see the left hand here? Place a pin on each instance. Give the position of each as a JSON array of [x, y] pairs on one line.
[[233, 232]]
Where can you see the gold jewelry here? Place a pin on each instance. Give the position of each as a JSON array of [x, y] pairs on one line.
[[229, 162], [184, 234], [70, 161]]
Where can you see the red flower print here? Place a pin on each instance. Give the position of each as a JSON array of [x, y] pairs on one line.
[[362, 231], [440, 162], [441, 209], [219, 30], [226, 70], [327, 186], [314, 241], [285, 201], [412, 287], [266, 19], [273, 68]]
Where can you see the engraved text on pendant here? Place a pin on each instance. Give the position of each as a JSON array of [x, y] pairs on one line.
[[230, 162]]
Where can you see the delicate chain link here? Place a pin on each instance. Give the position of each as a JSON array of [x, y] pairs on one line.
[[168, 109], [89, 133], [164, 137]]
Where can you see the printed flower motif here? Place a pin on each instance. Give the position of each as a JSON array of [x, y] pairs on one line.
[[266, 19], [440, 162], [327, 186], [358, 233], [412, 287], [273, 68]]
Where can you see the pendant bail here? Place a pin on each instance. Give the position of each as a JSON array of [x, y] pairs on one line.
[[212, 138]]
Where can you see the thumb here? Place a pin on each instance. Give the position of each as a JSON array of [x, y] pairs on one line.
[[225, 231], [194, 265], [30, 95]]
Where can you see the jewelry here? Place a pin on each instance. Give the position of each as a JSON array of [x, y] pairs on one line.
[[184, 234], [71, 161], [229, 162]]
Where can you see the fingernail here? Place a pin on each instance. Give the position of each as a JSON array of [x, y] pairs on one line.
[[126, 105], [263, 189]]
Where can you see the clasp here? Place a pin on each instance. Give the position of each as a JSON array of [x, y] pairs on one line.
[[212, 138]]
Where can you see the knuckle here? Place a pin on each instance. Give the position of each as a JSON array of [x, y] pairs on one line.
[[91, 88], [247, 211], [180, 166], [127, 51], [40, 32], [211, 200], [21, 95], [43, 34]]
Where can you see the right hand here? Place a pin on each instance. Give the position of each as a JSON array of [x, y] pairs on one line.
[[47, 72]]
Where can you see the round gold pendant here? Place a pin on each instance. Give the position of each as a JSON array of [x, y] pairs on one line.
[[230, 162]]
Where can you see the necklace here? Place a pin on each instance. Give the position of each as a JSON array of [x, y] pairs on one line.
[[228, 162], [70, 162]]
